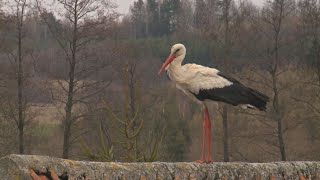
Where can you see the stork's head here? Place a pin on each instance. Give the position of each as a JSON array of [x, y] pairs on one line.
[[178, 52]]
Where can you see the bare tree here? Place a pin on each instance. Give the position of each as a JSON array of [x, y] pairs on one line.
[[17, 51], [21, 4], [274, 15], [271, 23], [232, 17], [226, 6], [85, 22], [309, 36]]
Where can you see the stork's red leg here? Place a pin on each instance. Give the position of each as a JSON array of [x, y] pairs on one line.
[[207, 119], [204, 133]]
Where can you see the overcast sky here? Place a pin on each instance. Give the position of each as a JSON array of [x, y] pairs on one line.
[[123, 5]]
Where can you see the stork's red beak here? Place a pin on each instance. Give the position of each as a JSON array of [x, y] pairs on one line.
[[166, 63]]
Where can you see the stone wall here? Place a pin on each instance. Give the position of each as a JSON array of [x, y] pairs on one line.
[[18, 166]]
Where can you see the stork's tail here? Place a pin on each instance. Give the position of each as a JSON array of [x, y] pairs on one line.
[[258, 99]]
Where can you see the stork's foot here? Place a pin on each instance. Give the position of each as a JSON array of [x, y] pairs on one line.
[[201, 161], [204, 161], [209, 159], [46, 176]]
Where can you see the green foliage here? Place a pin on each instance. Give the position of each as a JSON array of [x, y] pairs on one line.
[[200, 15], [138, 16], [153, 144], [44, 130], [104, 153], [168, 16], [153, 17], [177, 139], [313, 56]]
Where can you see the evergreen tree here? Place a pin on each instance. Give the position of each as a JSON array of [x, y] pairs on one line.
[[152, 9], [201, 14], [138, 17], [169, 12], [213, 11], [185, 17]]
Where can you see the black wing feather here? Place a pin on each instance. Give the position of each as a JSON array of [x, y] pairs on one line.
[[234, 94]]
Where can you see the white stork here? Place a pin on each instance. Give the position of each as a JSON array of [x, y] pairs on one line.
[[203, 84]]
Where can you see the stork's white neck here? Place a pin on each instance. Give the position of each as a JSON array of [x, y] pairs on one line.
[[175, 70]]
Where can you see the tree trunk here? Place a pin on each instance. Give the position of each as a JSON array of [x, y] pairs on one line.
[[68, 110], [280, 128], [225, 134], [20, 103], [21, 140], [147, 25], [66, 139], [226, 69], [281, 141], [69, 104], [276, 92], [278, 119], [20, 85]]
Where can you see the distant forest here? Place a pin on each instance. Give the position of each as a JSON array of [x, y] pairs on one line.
[[79, 80]]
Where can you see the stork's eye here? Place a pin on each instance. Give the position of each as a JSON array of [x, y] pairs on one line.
[[177, 50]]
